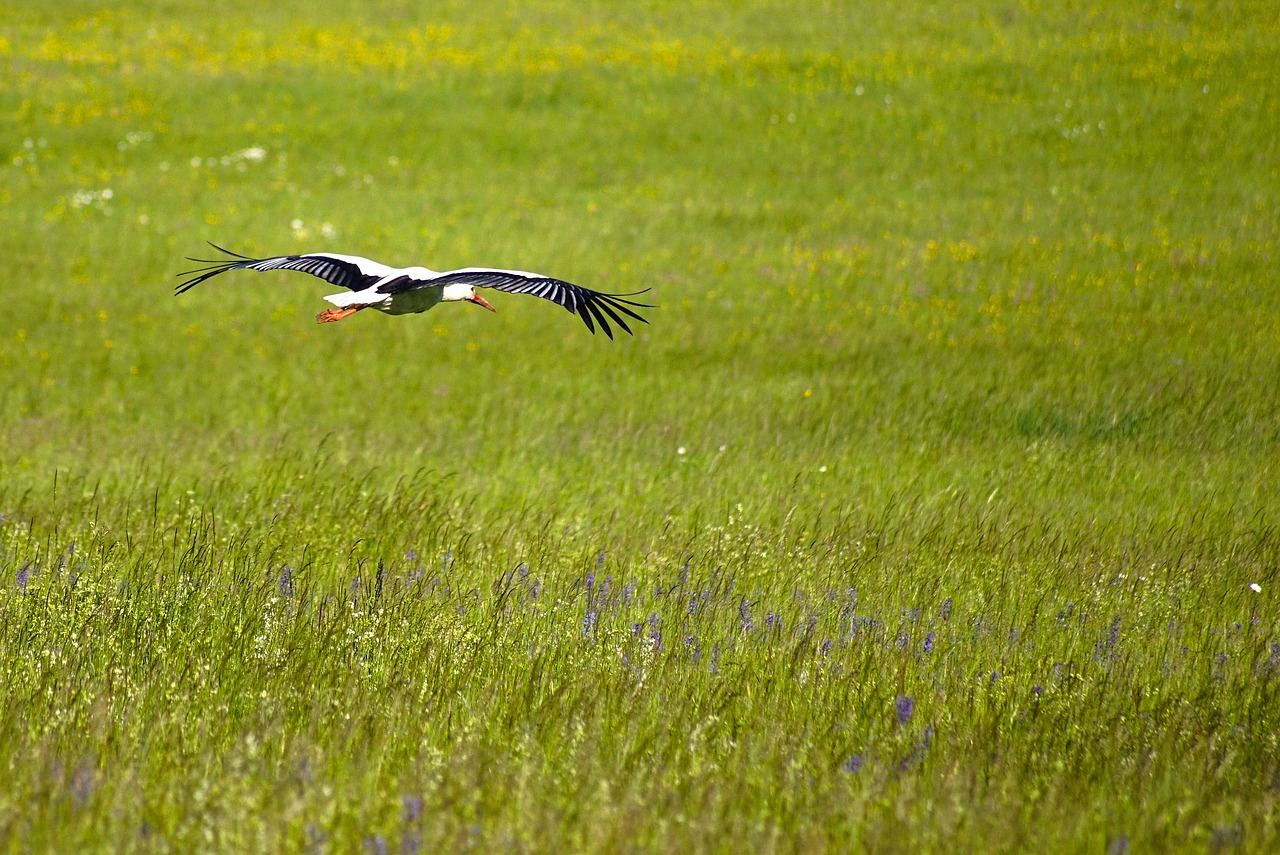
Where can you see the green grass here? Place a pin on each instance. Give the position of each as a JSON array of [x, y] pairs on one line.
[[922, 517]]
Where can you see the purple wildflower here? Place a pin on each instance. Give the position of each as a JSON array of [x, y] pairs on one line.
[[946, 609], [1105, 647], [284, 587], [82, 783], [315, 837], [411, 808], [24, 575], [591, 579], [916, 757], [589, 622], [928, 643], [854, 764], [904, 706], [1226, 837], [411, 555]]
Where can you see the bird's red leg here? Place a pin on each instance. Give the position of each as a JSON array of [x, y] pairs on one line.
[[328, 316]]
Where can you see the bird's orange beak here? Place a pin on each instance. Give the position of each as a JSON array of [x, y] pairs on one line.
[[481, 301]]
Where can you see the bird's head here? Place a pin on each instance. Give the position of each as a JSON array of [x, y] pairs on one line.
[[461, 291]]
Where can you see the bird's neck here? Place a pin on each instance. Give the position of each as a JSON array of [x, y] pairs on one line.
[[455, 292]]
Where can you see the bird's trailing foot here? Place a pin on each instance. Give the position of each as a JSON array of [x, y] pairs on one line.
[[328, 316]]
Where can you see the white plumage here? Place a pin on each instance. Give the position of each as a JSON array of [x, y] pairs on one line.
[[404, 290]]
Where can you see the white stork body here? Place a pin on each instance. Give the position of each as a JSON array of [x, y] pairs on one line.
[[409, 290]]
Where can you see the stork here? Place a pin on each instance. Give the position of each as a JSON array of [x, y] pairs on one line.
[[407, 290]]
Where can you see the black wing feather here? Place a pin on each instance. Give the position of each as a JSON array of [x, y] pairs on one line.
[[591, 306], [617, 319], [600, 318], [335, 271]]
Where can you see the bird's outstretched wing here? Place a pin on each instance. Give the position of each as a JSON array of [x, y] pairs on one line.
[[594, 307], [345, 271]]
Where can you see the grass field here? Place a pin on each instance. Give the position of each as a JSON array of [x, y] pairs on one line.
[[936, 510]]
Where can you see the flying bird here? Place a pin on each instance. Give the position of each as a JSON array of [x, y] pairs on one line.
[[406, 290]]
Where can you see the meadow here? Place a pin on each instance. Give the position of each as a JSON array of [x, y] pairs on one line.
[[935, 510]]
